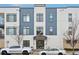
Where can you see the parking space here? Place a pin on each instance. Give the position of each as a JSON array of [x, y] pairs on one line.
[[37, 53]]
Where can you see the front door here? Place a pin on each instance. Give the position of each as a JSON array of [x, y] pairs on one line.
[[40, 44]]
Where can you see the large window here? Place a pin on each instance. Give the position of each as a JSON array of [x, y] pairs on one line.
[[26, 18], [26, 31], [26, 43], [70, 17], [1, 18], [39, 30], [11, 30], [51, 17], [39, 17], [11, 17], [51, 29]]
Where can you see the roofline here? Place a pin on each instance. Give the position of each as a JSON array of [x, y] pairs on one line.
[[39, 6], [9, 7], [26, 7], [64, 7]]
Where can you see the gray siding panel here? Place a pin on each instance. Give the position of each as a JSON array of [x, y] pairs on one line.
[[25, 11], [52, 23]]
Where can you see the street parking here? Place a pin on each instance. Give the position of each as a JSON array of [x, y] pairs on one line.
[[37, 53]]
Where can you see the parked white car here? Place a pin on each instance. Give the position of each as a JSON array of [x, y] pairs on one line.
[[15, 50], [53, 51]]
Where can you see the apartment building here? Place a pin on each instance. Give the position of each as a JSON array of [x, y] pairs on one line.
[[10, 25], [39, 27]]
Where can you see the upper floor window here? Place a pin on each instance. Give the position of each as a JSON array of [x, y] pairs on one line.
[[51, 16], [11, 30], [26, 18], [51, 29], [39, 17], [11, 17], [70, 17], [26, 31], [1, 18]]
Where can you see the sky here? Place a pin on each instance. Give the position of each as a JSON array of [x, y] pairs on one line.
[[31, 5]]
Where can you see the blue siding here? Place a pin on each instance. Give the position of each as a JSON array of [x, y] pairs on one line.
[[51, 22], [25, 11]]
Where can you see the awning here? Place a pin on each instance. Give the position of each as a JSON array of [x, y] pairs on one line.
[[40, 37]]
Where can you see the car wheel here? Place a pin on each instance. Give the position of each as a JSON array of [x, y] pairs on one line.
[[43, 53], [4, 53], [25, 53], [60, 53]]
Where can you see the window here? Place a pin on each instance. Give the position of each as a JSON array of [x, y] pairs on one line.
[[39, 17], [11, 31], [26, 31], [26, 43], [70, 17], [15, 47], [1, 18], [50, 29], [51, 17], [39, 30], [54, 49], [11, 17], [26, 18]]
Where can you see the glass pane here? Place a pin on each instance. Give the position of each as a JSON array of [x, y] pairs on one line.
[[15, 47], [11, 31], [26, 18], [50, 29], [26, 31], [39, 17], [26, 43], [11, 17]]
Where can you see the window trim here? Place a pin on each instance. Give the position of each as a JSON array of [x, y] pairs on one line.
[[39, 17], [11, 27], [25, 17], [28, 45], [25, 28], [12, 14]]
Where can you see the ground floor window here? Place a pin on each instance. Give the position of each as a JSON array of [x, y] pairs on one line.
[[26, 43]]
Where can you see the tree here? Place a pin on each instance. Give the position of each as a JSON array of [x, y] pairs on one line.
[[19, 39], [72, 34]]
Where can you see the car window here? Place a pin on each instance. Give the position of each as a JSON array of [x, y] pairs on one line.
[[54, 49], [15, 47]]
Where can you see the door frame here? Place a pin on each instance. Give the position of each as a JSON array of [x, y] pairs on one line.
[[38, 44]]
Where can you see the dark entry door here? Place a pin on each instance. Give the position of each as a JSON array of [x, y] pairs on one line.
[[40, 44]]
